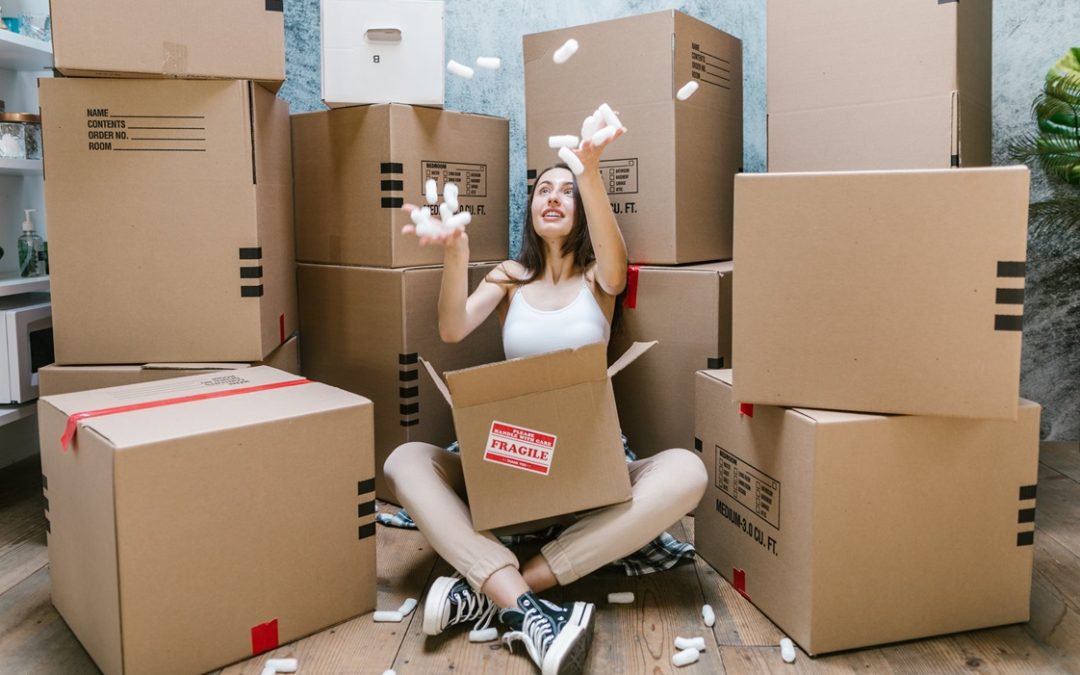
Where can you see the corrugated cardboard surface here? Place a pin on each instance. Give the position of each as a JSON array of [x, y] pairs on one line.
[[358, 69], [184, 524], [566, 394], [855, 530], [669, 177], [168, 250], [842, 97], [890, 291], [153, 38], [688, 310], [355, 167], [364, 330], [54, 379]]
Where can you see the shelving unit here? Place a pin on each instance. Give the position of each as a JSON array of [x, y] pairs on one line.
[[14, 284], [18, 52], [20, 167], [14, 413]]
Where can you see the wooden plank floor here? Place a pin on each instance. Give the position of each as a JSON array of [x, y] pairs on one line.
[[629, 638]]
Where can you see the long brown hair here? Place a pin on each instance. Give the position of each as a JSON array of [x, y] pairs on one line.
[[533, 253]]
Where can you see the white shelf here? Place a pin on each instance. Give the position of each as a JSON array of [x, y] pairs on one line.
[[18, 52], [12, 284], [14, 413], [20, 167]]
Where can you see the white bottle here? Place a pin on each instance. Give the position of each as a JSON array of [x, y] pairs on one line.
[[31, 249]]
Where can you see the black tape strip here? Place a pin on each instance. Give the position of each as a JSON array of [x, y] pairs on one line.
[[254, 253], [251, 272], [954, 161], [1026, 516], [408, 392], [393, 185], [409, 408], [275, 5], [44, 482], [1011, 268], [1027, 491], [409, 375], [48, 526], [365, 486], [1025, 538], [366, 531], [1010, 296], [408, 359], [715, 364], [393, 202], [391, 167], [530, 174], [365, 509], [410, 423], [697, 444], [251, 291], [1008, 322]]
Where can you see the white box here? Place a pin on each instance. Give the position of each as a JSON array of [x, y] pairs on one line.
[[382, 51]]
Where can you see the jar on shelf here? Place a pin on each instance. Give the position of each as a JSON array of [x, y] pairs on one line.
[[20, 136]]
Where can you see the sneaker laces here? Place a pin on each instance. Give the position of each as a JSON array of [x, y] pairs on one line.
[[537, 630], [468, 605]]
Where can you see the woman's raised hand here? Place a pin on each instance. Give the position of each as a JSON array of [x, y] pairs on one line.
[[433, 231], [589, 153]]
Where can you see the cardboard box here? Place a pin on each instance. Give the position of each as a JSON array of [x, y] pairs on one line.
[[190, 535], [54, 379], [363, 330], [852, 530], [688, 310], [537, 433], [355, 167], [841, 96], [669, 178], [382, 52], [889, 291], [168, 250], [151, 38]]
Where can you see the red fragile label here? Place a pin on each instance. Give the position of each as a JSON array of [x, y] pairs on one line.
[[746, 409], [738, 580], [521, 448], [632, 272], [264, 637], [74, 419]]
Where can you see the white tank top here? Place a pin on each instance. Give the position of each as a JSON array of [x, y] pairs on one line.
[[528, 331]]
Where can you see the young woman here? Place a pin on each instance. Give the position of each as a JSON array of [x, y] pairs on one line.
[[560, 293]]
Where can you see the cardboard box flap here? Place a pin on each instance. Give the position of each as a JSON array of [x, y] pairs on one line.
[[193, 366], [629, 356], [527, 375], [439, 384]]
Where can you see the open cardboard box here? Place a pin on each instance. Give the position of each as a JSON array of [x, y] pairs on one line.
[[539, 435]]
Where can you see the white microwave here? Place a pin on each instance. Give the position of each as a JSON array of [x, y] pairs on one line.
[[26, 345]]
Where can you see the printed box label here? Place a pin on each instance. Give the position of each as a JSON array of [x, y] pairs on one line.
[[749, 486], [520, 448]]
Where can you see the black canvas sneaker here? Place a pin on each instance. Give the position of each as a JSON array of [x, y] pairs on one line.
[[556, 638], [451, 601]]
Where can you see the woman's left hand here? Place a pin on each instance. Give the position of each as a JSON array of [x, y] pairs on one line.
[[589, 154]]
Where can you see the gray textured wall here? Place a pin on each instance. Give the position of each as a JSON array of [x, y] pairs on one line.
[[1028, 38]]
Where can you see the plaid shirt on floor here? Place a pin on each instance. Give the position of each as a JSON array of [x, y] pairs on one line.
[[658, 555]]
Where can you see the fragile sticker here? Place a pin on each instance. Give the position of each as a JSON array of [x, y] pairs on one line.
[[521, 448]]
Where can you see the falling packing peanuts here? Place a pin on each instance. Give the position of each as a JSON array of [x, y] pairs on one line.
[[539, 435], [842, 96], [186, 535], [355, 167], [176, 250], [850, 530], [155, 38], [881, 291], [669, 178]]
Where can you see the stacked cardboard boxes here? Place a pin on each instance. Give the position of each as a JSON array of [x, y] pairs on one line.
[[872, 470], [170, 200], [669, 180], [368, 292]]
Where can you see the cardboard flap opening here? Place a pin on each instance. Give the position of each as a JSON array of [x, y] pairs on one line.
[[439, 384], [629, 356]]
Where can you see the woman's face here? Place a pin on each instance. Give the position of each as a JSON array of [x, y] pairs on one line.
[[553, 203]]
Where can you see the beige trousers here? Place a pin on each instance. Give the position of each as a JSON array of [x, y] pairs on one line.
[[429, 482]]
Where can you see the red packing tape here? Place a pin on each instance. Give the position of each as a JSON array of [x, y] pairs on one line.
[[264, 637], [630, 301], [74, 419], [746, 409], [738, 580]]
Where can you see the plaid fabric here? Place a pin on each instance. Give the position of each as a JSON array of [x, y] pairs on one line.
[[658, 555]]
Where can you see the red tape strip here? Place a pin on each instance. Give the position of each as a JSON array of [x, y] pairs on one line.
[[630, 301], [74, 419], [264, 637], [746, 409], [281, 329], [738, 580]]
